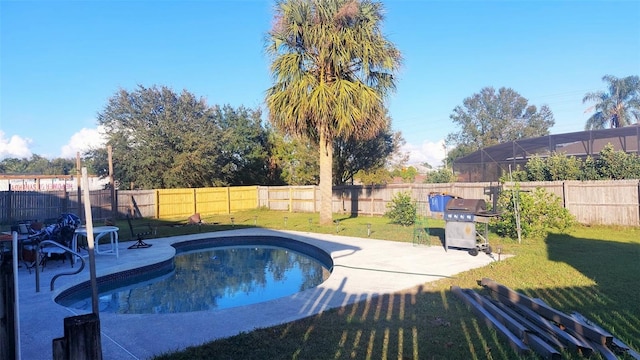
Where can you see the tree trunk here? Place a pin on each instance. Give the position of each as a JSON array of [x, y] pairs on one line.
[[326, 178]]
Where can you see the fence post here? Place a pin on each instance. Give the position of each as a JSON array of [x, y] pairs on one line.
[[638, 196], [7, 308], [9, 205], [373, 187], [65, 203], [81, 339], [228, 200], [157, 193], [315, 199], [290, 199], [195, 201], [268, 192]]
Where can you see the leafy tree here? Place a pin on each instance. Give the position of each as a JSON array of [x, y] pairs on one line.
[[408, 174], [536, 169], [440, 176], [332, 70], [616, 165], [244, 147], [96, 161], [589, 169], [618, 107], [457, 151], [516, 175], [397, 159], [489, 118], [294, 159], [377, 176], [352, 155], [60, 166], [562, 167], [37, 165], [161, 139], [15, 165]]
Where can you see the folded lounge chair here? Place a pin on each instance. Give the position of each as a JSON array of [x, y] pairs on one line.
[[139, 233]]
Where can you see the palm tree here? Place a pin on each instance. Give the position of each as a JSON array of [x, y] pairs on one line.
[[617, 108], [332, 70]]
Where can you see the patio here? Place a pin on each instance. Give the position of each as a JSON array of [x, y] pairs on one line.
[[363, 268]]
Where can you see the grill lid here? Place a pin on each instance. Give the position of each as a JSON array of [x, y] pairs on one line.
[[470, 206]]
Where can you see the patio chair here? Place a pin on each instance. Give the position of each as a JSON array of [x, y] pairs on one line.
[[139, 232], [60, 232]]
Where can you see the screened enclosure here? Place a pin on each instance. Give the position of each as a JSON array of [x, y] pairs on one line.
[[490, 163]]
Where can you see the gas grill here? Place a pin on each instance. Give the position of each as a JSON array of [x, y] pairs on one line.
[[461, 216]]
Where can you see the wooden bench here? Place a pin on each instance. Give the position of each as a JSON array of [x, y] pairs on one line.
[[139, 232]]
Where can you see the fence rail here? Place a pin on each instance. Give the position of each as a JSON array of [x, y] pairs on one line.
[[592, 202]]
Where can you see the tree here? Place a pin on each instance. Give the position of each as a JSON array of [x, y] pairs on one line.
[[244, 149], [353, 155], [618, 107], [295, 159], [332, 70], [617, 165], [37, 165], [406, 173], [377, 176], [441, 175], [489, 118], [161, 139]]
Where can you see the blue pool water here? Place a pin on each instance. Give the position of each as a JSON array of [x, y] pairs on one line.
[[209, 279]]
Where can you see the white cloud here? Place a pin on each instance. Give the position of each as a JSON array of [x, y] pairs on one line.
[[15, 147], [83, 140], [430, 152]]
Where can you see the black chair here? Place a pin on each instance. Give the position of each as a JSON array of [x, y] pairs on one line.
[[139, 233]]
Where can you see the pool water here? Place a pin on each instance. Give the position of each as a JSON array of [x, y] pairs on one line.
[[213, 279]]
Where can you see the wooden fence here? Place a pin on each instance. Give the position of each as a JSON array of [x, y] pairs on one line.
[[592, 202], [47, 206]]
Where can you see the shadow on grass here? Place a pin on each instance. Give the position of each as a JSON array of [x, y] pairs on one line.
[[439, 233], [388, 326], [614, 266]]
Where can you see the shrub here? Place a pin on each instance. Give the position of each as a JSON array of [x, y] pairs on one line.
[[540, 211], [440, 176], [401, 209]]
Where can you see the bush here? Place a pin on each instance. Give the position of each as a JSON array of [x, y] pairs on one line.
[[540, 212], [402, 209], [440, 176]]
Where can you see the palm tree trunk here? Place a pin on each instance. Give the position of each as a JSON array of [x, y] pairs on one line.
[[326, 178]]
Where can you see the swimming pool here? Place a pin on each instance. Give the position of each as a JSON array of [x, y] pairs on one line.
[[209, 274]]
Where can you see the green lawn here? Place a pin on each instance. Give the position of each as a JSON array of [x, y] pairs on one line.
[[592, 270]]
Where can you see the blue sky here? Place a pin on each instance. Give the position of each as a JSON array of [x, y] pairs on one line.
[[60, 61]]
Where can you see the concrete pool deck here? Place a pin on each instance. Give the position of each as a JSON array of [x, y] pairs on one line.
[[363, 268]]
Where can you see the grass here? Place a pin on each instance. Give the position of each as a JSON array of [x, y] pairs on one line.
[[592, 270]]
